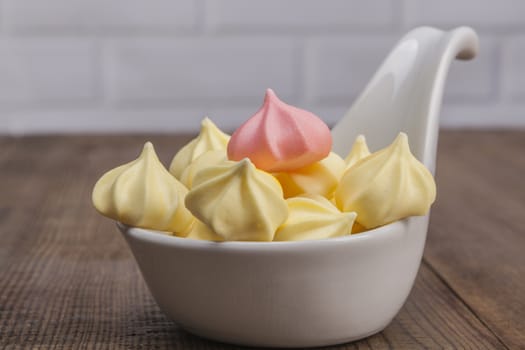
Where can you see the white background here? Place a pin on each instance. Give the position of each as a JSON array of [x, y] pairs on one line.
[[161, 65]]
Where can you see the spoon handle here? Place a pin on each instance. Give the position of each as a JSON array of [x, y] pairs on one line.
[[405, 93]]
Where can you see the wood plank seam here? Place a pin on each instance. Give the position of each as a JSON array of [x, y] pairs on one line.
[[462, 300]]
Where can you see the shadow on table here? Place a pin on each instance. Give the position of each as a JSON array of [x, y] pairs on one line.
[[158, 332]]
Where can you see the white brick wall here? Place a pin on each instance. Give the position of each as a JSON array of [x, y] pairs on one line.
[[183, 70], [161, 65], [51, 71], [514, 61], [98, 16], [298, 15], [330, 61], [483, 14]]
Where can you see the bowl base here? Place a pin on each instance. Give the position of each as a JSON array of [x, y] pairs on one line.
[[289, 343]]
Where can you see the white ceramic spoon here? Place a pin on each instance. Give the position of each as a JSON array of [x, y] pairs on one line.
[[405, 93], [315, 293]]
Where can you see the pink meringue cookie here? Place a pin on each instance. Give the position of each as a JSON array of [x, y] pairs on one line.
[[280, 137]]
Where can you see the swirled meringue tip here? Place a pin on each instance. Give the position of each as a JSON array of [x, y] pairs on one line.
[[210, 138], [237, 201], [359, 151], [389, 185], [314, 217], [280, 137], [142, 193]]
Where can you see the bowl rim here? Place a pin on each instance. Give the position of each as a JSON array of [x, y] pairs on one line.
[[161, 238]]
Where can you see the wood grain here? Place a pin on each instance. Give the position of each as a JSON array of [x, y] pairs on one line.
[[69, 281], [477, 235]]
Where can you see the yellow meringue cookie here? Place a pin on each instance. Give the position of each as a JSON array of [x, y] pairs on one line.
[[319, 178], [358, 228], [237, 201], [202, 232], [359, 151], [388, 185], [205, 160], [210, 138], [313, 217], [144, 194]]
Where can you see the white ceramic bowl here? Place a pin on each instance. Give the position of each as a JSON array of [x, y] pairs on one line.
[[314, 293], [281, 294]]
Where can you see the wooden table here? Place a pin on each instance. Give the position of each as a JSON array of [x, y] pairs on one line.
[[68, 280]]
